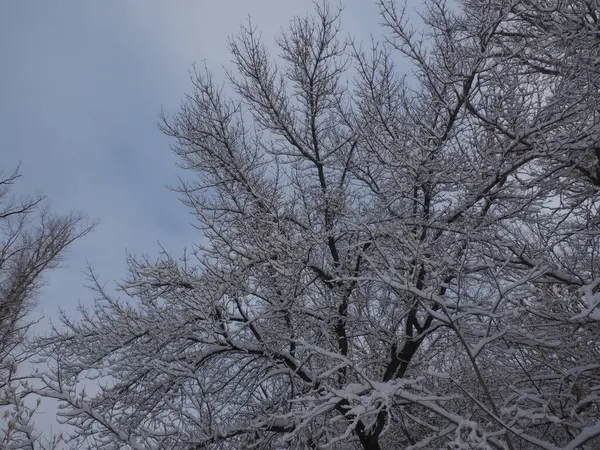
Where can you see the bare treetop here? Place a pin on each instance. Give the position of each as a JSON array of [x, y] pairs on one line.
[[32, 241], [386, 265]]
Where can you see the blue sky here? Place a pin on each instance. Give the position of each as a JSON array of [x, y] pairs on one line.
[[81, 87]]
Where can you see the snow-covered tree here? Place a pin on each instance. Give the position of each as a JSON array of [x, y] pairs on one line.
[[383, 262], [32, 241]]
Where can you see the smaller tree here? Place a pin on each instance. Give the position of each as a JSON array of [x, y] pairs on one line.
[[32, 241]]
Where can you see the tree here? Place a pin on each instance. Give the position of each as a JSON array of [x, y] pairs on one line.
[[32, 241], [388, 262]]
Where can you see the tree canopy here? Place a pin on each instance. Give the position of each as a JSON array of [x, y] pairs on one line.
[[388, 258], [32, 242]]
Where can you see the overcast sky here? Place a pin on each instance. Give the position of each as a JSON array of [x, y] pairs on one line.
[[82, 84]]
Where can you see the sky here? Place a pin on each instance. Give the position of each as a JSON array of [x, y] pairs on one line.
[[81, 87]]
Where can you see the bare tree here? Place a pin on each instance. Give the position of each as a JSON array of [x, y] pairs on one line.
[[32, 241], [388, 264]]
